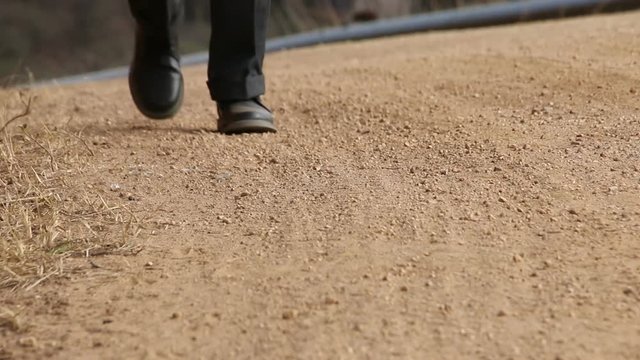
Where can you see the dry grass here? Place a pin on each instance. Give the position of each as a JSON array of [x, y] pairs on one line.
[[46, 215]]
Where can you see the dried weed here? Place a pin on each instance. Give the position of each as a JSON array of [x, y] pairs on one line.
[[45, 217]]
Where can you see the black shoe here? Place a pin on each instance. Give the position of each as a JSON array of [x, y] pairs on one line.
[[155, 80], [245, 116]]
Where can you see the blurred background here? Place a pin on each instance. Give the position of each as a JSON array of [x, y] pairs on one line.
[[41, 39]]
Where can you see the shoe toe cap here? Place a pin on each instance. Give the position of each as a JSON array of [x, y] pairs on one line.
[[157, 94]]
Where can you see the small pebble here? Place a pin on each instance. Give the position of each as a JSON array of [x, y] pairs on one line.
[[331, 301], [289, 314], [224, 219], [29, 342]]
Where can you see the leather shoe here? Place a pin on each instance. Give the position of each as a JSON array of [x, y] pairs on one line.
[[155, 79], [245, 116]]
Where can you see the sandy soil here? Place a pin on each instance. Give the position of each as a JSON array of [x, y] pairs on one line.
[[467, 194]]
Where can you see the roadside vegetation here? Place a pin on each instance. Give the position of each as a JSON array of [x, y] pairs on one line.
[[45, 217]]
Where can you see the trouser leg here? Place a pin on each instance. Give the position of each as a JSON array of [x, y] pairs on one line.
[[155, 80], [158, 22], [238, 36]]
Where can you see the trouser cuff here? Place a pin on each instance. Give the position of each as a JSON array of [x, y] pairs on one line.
[[225, 90]]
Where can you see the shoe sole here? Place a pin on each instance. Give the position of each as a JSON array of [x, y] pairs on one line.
[[253, 126], [165, 115]]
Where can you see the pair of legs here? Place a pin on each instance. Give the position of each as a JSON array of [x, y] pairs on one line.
[[235, 77]]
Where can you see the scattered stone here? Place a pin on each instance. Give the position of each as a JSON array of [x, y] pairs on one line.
[[445, 308], [223, 176], [289, 314], [28, 342], [331, 301], [224, 219], [628, 291]]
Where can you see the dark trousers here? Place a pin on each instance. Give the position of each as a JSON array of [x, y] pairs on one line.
[[236, 50]]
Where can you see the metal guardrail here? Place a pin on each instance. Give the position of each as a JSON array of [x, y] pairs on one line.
[[477, 16]]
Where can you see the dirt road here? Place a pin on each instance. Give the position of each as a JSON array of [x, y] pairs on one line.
[[460, 195]]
